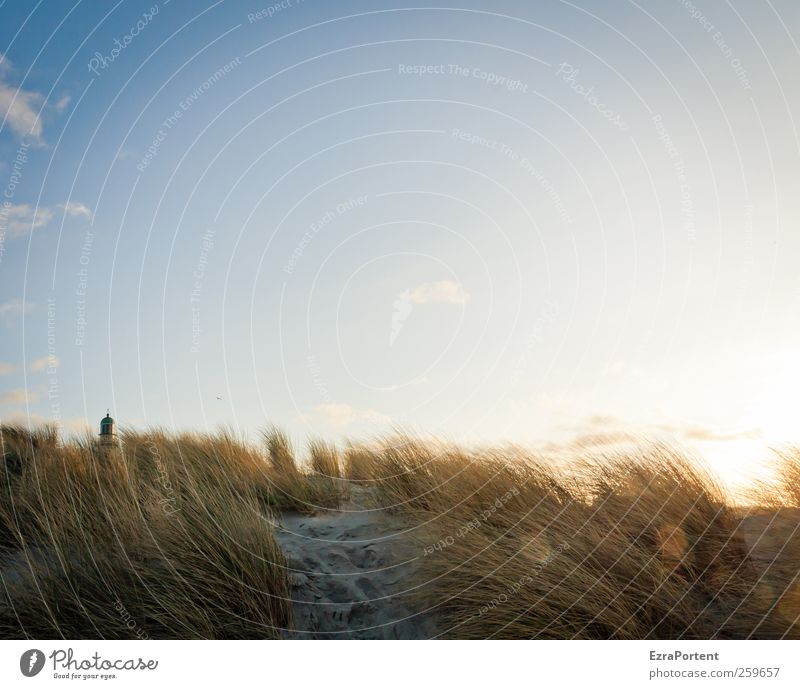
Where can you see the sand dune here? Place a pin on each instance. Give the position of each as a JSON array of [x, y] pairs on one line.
[[350, 573]]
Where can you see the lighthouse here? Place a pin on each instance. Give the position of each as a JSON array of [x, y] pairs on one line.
[[108, 431]]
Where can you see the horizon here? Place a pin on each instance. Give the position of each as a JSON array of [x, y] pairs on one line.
[[563, 456]]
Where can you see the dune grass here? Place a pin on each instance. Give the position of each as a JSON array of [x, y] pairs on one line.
[[166, 536], [618, 547], [170, 536], [783, 488]]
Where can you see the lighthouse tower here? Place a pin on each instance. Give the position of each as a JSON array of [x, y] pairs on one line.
[[108, 432]]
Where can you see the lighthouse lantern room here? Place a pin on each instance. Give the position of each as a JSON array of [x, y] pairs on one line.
[[108, 431]]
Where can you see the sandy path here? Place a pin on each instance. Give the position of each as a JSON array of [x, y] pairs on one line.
[[350, 572], [773, 546]]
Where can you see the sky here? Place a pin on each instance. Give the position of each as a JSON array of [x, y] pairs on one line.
[[552, 223]]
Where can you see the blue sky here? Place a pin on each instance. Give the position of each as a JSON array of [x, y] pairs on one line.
[[532, 223]]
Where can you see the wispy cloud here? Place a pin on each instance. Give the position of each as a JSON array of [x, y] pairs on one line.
[[341, 415], [5, 368], [14, 306], [18, 107], [615, 430], [697, 432], [126, 154], [61, 104], [18, 396], [440, 292], [443, 292], [76, 208], [372, 416], [336, 414], [590, 440], [604, 420], [22, 218], [45, 362], [421, 380], [72, 425]]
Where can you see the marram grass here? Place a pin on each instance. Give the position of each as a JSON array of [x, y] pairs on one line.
[[171, 536]]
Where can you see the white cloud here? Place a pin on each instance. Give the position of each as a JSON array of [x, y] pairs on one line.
[[372, 416], [14, 306], [76, 208], [336, 414], [440, 292], [5, 368], [341, 415], [73, 425], [44, 362], [705, 433], [18, 396], [126, 154], [61, 104], [18, 107], [443, 291], [22, 218], [421, 380]]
